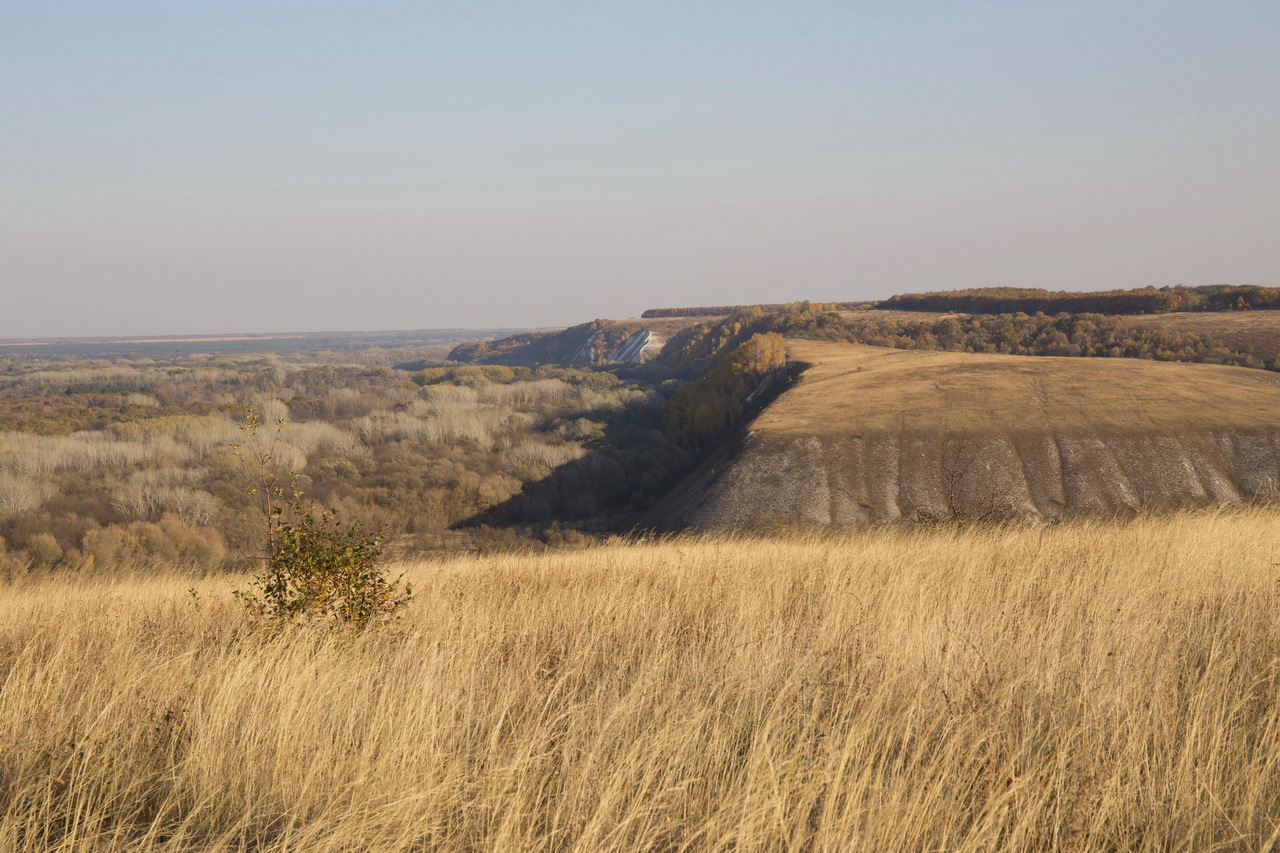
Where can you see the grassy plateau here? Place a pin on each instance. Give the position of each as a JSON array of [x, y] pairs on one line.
[[1092, 685], [861, 389]]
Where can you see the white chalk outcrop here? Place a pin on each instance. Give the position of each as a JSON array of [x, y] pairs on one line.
[[586, 354], [641, 347]]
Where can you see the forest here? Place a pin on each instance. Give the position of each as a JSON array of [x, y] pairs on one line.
[[1005, 300], [1068, 335], [105, 464], [693, 351]]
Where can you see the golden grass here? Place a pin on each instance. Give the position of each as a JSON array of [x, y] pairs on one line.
[[890, 390], [1090, 686]]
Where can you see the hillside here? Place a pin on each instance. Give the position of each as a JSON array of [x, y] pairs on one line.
[[1253, 332], [870, 434], [587, 344]]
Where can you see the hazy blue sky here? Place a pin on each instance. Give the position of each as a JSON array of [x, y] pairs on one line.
[[188, 166]]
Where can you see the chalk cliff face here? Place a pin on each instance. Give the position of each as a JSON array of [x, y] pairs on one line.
[[857, 480], [641, 347], [596, 343], [871, 435]]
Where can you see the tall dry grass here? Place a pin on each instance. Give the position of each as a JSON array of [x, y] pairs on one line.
[[1091, 686]]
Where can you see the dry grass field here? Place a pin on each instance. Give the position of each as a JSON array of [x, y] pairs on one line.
[[853, 388], [1085, 686]]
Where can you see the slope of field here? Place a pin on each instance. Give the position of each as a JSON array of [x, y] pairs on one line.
[[871, 434], [1254, 332], [1089, 686], [891, 315]]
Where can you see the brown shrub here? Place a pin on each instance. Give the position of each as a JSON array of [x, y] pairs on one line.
[[168, 542], [44, 550]]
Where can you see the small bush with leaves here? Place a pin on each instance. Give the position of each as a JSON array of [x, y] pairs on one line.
[[322, 570], [315, 569]]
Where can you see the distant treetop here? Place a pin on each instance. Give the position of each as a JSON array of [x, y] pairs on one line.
[[1007, 300], [726, 310]]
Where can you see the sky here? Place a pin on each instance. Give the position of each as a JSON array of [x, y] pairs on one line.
[[196, 167]]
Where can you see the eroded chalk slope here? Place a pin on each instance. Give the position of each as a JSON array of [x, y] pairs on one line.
[[871, 435]]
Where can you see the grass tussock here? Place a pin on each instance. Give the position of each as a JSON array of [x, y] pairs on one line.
[[1092, 686]]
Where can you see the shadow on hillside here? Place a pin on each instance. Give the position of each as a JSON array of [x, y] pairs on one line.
[[630, 462], [632, 481], [601, 492]]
